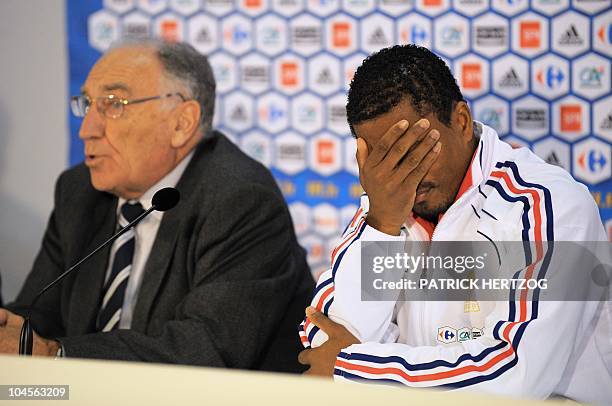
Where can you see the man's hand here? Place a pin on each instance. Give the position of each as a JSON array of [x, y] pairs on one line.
[[322, 359], [10, 330], [3, 317], [391, 173]]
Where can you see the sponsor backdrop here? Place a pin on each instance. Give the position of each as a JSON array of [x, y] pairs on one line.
[[538, 71]]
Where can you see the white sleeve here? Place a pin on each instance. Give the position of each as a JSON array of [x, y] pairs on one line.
[[338, 291], [524, 350], [514, 357]]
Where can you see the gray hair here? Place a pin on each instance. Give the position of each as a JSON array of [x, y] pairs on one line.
[[182, 63]]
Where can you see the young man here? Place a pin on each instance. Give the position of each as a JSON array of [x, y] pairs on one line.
[[431, 173]]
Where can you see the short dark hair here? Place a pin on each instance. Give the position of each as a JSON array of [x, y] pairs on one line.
[[401, 72], [181, 61]]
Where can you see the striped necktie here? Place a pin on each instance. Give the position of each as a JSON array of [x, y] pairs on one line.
[[116, 284]]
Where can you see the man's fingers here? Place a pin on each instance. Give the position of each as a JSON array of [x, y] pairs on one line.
[[383, 146], [406, 144], [415, 177], [362, 153], [416, 156], [4, 315], [304, 357], [320, 320], [13, 319]]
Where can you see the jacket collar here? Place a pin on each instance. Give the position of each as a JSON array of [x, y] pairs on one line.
[[477, 172]]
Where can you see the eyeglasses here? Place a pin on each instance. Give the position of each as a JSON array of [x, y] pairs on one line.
[[110, 106]]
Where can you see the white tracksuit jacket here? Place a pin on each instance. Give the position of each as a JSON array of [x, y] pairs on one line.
[[532, 349]]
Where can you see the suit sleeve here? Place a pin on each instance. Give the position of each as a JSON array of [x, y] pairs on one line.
[[48, 265], [245, 273], [338, 291], [526, 343]]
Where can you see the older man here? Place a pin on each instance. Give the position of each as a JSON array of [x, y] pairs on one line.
[[220, 280]]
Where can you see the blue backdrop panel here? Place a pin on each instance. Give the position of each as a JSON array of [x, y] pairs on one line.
[[536, 70]]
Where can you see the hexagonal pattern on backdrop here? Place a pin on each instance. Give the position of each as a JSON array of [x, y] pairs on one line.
[[538, 72]]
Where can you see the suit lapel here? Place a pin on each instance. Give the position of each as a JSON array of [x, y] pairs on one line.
[[90, 278], [157, 265], [163, 248]]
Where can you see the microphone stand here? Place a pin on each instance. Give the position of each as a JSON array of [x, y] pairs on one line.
[[26, 338]]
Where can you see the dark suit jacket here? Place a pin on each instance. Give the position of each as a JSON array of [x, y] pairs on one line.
[[226, 282]]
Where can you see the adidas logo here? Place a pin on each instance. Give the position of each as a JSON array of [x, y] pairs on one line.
[[511, 79], [203, 36], [378, 37], [238, 114], [571, 37], [553, 159], [606, 124], [325, 77]]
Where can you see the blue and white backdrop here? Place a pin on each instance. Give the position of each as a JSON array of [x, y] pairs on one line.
[[538, 71]]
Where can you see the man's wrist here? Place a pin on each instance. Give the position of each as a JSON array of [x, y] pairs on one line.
[[383, 228], [54, 348]]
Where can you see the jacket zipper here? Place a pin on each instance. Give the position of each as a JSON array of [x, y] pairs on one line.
[[422, 307]]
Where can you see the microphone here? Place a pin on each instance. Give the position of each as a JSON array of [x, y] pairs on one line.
[[163, 200]]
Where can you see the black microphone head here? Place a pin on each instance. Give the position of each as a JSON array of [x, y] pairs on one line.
[[165, 199]]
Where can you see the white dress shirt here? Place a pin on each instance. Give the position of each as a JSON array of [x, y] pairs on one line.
[[145, 233]]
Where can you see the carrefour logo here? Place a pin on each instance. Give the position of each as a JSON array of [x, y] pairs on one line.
[[418, 34], [604, 33], [236, 35], [593, 160], [447, 335], [271, 112], [551, 76]]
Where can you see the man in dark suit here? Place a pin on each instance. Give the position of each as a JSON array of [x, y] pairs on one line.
[[219, 280]]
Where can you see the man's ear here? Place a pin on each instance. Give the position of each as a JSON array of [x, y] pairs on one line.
[[186, 123], [462, 118]]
